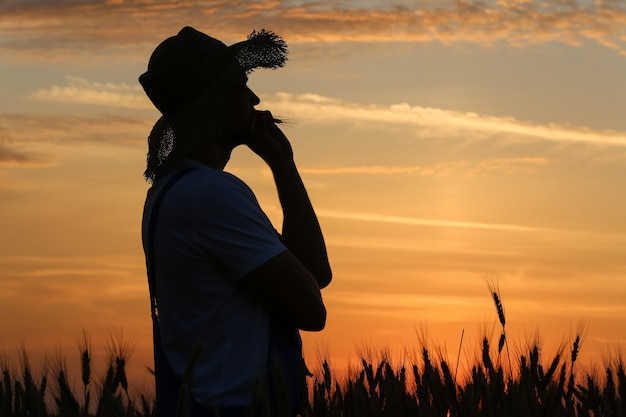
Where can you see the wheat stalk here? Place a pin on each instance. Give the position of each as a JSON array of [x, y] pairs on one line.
[[581, 334], [120, 349], [494, 288], [458, 356], [84, 348]]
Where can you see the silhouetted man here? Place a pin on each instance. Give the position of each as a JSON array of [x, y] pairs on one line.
[[229, 293]]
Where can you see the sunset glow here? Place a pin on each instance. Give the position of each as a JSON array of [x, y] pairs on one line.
[[443, 143]]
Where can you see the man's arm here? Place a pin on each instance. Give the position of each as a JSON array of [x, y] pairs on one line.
[[290, 289], [301, 229]]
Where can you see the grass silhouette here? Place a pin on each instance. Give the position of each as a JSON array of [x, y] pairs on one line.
[[530, 386]]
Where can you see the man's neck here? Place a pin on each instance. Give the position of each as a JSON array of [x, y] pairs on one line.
[[213, 155]]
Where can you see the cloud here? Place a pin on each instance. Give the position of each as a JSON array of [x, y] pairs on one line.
[[86, 26], [38, 140], [385, 301], [506, 165], [10, 156], [81, 91], [30, 131], [50, 280], [320, 109], [415, 221]]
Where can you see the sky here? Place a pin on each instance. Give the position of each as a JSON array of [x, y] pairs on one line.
[[445, 145]]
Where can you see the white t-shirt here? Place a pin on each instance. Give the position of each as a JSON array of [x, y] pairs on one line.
[[211, 232]]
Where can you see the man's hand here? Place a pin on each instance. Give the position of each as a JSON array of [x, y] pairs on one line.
[[267, 140]]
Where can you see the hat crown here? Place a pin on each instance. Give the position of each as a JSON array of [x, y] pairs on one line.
[[188, 48], [180, 67]]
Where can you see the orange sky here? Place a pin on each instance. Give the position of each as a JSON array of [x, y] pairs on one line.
[[441, 143]]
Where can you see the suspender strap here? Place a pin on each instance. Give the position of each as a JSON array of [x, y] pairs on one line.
[[168, 387], [150, 252]]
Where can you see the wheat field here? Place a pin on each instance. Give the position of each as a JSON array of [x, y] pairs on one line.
[[499, 384]]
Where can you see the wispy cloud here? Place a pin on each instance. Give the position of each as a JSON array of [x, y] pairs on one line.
[[395, 301], [327, 110], [49, 280], [38, 140], [12, 153], [10, 156], [416, 221], [506, 165], [69, 25], [81, 91], [28, 132]]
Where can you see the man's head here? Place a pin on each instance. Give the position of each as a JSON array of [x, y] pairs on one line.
[[192, 68]]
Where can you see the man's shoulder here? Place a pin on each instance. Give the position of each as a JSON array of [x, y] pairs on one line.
[[203, 176], [210, 181], [206, 185]]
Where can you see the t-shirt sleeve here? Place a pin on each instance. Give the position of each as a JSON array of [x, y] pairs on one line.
[[232, 228]]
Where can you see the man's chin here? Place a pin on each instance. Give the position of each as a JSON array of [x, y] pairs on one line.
[[238, 142], [235, 141], [238, 138]]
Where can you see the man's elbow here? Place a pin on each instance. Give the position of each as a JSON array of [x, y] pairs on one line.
[[325, 277], [316, 321]]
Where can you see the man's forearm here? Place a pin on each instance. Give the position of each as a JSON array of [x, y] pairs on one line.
[[301, 230]]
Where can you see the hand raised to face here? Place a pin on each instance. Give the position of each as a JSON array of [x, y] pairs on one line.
[[267, 140]]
